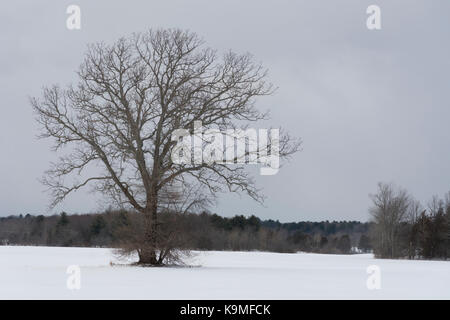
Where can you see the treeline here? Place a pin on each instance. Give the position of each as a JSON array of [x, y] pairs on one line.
[[203, 231], [403, 228]]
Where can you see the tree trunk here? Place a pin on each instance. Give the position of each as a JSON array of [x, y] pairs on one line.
[[148, 254]]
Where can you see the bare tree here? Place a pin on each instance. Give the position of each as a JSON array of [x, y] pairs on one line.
[[389, 211], [415, 211], [122, 114], [435, 205]]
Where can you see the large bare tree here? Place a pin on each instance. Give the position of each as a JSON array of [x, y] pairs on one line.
[[120, 117]]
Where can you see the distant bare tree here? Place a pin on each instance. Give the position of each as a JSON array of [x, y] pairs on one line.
[[415, 208], [434, 205], [415, 211], [123, 112], [389, 211], [447, 217]]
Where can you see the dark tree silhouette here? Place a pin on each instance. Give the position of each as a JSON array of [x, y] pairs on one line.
[[131, 100]]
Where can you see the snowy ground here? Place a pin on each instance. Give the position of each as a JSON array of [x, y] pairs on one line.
[[40, 273]]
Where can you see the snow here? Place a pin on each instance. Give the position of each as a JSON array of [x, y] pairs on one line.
[[40, 273]]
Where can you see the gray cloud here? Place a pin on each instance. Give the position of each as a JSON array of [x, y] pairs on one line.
[[369, 105]]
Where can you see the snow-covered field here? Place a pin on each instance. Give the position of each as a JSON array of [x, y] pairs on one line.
[[40, 273]]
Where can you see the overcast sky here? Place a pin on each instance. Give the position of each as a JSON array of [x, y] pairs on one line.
[[369, 105]]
